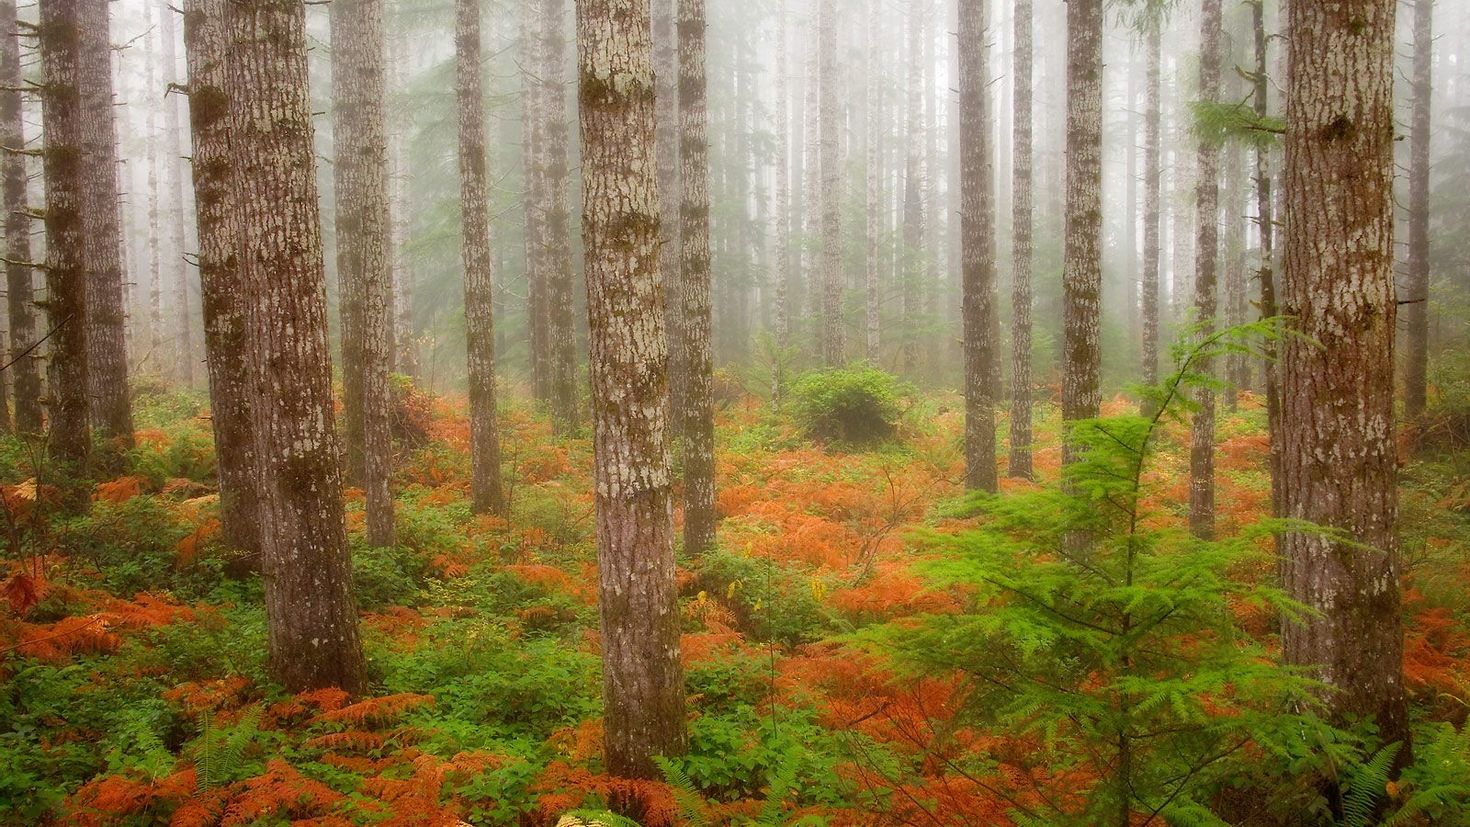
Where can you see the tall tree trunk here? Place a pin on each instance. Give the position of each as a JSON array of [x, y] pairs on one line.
[[913, 188], [556, 252], [1082, 249], [532, 146], [107, 351], [1416, 308], [1238, 365], [782, 277], [18, 273], [222, 293], [1152, 193], [1021, 221], [1340, 460], [872, 173], [479, 292], [698, 427], [1206, 280], [1266, 276], [978, 229], [70, 437], [406, 349], [670, 251], [156, 341], [311, 621], [183, 317], [364, 230], [643, 683], [832, 345]]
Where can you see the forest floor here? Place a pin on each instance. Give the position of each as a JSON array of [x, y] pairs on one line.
[[134, 689]]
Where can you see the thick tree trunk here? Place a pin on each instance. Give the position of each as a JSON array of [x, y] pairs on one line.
[[1340, 461], [698, 426], [107, 350], [1152, 193], [977, 219], [1082, 249], [1416, 307], [311, 622], [479, 293], [364, 230], [18, 274], [832, 346], [555, 256], [225, 304], [643, 683], [1206, 281], [69, 440], [183, 340], [1021, 222]]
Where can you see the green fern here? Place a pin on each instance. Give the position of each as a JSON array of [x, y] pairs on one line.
[[1438, 784], [219, 753], [691, 803], [1366, 787]]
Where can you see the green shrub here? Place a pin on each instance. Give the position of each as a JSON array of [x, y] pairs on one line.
[[858, 405]]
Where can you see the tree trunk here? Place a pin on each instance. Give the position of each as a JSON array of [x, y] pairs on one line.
[[556, 252], [1152, 193], [532, 147], [872, 172], [913, 188], [156, 342], [832, 346], [694, 267], [222, 296], [107, 351], [1339, 465], [1265, 218], [1238, 365], [364, 231], [70, 438], [978, 230], [479, 293], [183, 317], [1082, 249], [1206, 281], [782, 289], [406, 349], [1416, 307], [311, 622], [18, 273], [643, 683], [670, 251], [1021, 221]]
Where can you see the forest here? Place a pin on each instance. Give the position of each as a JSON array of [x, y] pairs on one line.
[[780, 413]]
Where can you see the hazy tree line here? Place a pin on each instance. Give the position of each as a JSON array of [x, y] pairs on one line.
[[670, 198]]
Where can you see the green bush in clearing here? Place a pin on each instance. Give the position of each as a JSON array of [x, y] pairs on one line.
[[857, 405]]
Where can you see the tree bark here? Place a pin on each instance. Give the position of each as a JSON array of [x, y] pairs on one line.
[[1021, 253], [1416, 307], [479, 293], [364, 230], [532, 146], [1266, 276], [556, 252], [1152, 193], [183, 316], [643, 684], [913, 189], [671, 250], [70, 437], [782, 287], [978, 237], [694, 268], [222, 293], [872, 174], [19, 278], [311, 621], [406, 347], [1206, 281], [1340, 461], [1082, 249], [832, 345]]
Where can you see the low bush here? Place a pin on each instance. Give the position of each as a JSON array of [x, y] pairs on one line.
[[857, 406]]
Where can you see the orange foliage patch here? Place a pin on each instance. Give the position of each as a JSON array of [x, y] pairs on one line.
[[380, 710], [119, 490]]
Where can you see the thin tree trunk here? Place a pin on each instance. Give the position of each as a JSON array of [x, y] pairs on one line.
[[1238, 371], [643, 683], [977, 218], [694, 267], [406, 350], [556, 253], [1021, 223], [1416, 307], [107, 351], [532, 145], [1152, 193], [1266, 276], [19, 278], [873, 113], [479, 292], [311, 621], [1339, 466], [70, 437], [156, 342], [1082, 249], [225, 305], [670, 251], [364, 230], [783, 202], [1206, 281], [832, 345], [913, 192], [183, 317]]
